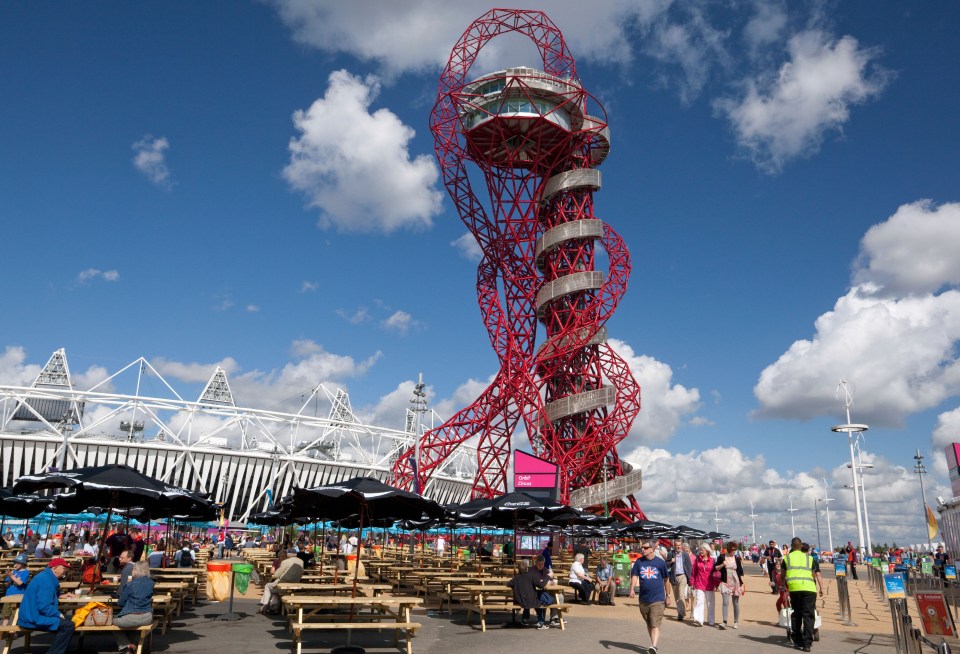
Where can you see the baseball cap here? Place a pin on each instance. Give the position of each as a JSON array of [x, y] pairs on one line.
[[292, 550], [22, 558], [59, 561]]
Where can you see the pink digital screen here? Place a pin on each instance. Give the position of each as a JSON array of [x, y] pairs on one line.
[[533, 472]]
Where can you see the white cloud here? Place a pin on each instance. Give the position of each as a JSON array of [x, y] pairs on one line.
[[357, 317], [13, 369], [785, 117], [664, 404], [418, 35], [96, 273], [280, 389], [150, 159], [899, 350], [400, 322], [914, 251], [946, 431], [767, 24], [355, 166], [253, 308], [193, 372], [468, 247], [309, 287], [730, 480]]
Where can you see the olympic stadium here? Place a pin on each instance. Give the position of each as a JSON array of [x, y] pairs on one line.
[[243, 457]]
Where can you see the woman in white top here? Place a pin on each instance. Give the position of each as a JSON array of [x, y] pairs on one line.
[[579, 580]]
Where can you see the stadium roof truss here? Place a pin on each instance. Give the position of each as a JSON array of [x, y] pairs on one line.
[[244, 458]]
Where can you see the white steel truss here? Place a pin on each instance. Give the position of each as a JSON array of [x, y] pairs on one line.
[[244, 457]]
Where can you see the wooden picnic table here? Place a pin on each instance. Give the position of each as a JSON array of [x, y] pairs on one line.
[[320, 588], [499, 597], [310, 612]]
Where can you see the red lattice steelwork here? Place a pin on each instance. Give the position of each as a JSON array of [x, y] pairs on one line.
[[536, 137]]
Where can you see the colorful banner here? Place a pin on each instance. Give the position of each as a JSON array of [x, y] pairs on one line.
[[840, 568], [934, 615], [950, 572], [926, 567], [932, 527], [895, 585]]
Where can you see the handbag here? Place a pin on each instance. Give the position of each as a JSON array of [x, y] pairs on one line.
[[99, 616]]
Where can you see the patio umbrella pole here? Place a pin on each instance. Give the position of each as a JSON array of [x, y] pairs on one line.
[[348, 648]]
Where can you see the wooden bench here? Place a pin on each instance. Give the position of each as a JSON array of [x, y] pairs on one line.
[[409, 630], [559, 608], [12, 632]]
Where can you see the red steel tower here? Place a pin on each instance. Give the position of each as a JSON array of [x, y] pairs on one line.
[[536, 137]]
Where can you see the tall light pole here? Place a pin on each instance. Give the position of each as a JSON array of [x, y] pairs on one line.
[[920, 471], [753, 523], [863, 495], [826, 502], [816, 512], [419, 402], [850, 429], [716, 517], [792, 510]]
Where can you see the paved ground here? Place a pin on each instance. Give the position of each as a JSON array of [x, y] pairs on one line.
[[615, 629]]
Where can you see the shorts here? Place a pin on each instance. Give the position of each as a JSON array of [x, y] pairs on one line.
[[652, 613]]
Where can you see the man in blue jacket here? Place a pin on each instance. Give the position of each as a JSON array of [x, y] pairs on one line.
[[40, 607]]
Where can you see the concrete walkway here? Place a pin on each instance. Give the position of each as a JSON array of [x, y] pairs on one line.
[[589, 629]]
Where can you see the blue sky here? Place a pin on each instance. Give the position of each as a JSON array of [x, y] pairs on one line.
[[252, 185]]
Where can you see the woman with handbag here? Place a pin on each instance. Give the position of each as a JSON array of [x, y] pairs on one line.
[[704, 586], [136, 606], [731, 582]]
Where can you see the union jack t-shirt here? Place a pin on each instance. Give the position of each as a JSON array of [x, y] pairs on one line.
[[651, 573]]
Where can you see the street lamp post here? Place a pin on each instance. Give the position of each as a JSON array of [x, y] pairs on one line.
[[793, 528], [716, 517], [850, 429], [826, 502], [920, 471], [863, 496], [816, 512], [753, 523]]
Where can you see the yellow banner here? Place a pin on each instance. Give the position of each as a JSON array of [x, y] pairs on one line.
[[932, 527]]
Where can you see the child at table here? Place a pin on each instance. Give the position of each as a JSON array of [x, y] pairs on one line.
[[16, 583]]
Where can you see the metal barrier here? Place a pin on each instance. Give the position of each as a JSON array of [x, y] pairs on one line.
[[843, 597], [907, 637]]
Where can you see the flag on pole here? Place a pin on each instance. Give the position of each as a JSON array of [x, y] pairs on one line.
[[932, 527]]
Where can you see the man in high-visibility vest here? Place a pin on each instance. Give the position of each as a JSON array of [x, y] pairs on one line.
[[803, 583]]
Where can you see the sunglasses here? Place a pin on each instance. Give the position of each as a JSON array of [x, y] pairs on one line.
[[647, 547]]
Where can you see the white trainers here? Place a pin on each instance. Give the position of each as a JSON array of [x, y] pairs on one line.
[[736, 625]]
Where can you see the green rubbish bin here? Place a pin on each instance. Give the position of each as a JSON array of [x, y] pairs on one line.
[[241, 576], [621, 572]]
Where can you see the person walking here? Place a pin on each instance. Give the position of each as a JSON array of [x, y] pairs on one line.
[[771, 558], [649, 577], [680, 564], [803, 583], [852, 561], [731, 583], [704, 585]]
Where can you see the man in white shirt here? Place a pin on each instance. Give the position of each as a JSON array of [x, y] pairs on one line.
[[440, 544]]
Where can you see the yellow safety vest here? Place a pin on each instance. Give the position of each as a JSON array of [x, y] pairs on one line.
[[800, 573]]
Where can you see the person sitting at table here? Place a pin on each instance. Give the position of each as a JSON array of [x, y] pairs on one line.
[[40, 607], [16, 583], [578, 579], [526, 592], [90, 571], [136, 606], [290, 570], [606, 582]]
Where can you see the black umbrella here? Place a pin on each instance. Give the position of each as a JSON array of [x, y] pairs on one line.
[[369, 498], [716, 535], [271, 518], [506, 511], [645, 527], [682, 531], [21, 506], [115, 486]]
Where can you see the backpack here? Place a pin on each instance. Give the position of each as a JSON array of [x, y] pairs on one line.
[[605, 598], [186, 559]]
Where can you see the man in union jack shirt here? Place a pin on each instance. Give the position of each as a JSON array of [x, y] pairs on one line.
[[649, 577]]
